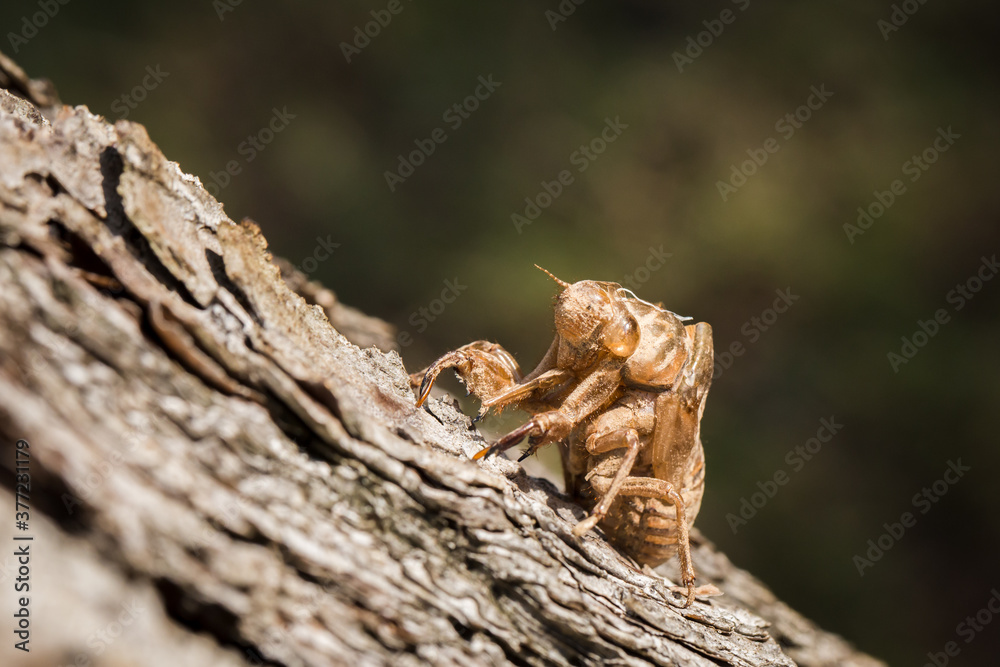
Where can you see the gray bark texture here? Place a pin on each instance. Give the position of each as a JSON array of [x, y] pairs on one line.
[[227, 465]]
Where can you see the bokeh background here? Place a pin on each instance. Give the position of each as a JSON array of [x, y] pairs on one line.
[[318, 188]]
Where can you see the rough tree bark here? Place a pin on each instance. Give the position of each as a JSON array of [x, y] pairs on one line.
[[227, 467]]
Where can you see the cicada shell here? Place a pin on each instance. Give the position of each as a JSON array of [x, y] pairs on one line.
[[622, 390]]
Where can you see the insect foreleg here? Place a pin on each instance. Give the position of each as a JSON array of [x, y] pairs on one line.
[[528, 389], [486, 369], [593, 392]]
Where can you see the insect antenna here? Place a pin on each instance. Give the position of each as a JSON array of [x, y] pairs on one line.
[[562, 283]]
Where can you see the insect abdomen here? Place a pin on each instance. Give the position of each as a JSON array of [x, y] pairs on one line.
[[646, 528]]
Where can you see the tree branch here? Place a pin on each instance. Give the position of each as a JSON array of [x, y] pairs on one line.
[[206, 443]]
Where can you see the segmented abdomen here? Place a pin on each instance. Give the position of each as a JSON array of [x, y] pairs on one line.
[[646, 528]]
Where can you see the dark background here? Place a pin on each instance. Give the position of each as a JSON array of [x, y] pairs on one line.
[[323, 177]]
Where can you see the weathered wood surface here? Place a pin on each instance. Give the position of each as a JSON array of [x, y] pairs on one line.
[[209, 449]]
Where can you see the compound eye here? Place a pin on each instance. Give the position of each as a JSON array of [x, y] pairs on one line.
[[621, 337]]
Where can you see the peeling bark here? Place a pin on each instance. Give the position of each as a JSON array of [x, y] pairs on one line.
[[220, 440]]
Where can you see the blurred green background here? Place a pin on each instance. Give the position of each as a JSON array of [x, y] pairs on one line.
[[318, 188]]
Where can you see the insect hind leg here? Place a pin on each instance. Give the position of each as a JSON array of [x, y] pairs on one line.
[[651, 487], [627, 438]]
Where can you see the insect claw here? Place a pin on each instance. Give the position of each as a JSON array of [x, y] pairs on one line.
[[532, 448], [482, 453], [425, 389], [506, 442], [690, 592]]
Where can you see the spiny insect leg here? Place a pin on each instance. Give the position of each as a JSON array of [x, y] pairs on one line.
[[605, 442]]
